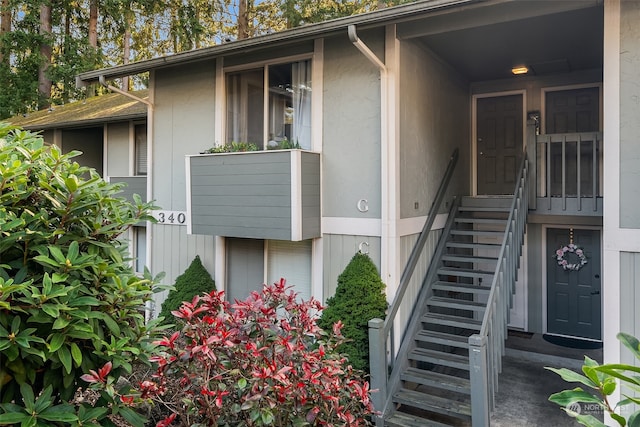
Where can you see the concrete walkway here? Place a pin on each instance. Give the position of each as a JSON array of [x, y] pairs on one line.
[[524, 385]]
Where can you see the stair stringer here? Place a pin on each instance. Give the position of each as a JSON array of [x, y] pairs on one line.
[[407, 344]]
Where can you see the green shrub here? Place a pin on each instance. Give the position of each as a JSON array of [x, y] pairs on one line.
[[70, 303], [601, 381], [359, 298], [194, 281]]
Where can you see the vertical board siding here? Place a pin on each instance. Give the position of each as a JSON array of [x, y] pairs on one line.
[[415, 284], [135, 185], [310, 182], [173, 252], [249, 195], [338, 251], [629, 303], [242, 195]]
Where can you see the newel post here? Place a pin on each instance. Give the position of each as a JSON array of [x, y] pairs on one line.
[[378, 363], [479, 381]]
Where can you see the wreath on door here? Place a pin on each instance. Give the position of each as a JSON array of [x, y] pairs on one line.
[[561, 257]]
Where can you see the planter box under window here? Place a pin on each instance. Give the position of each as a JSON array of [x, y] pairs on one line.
[[257, 194]]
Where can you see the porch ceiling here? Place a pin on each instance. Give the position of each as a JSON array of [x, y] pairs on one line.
[[485, 42]]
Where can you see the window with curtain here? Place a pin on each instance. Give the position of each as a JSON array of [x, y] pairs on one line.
[[287, 91]]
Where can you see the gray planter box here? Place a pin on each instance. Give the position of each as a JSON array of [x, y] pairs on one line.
[[257, 194]]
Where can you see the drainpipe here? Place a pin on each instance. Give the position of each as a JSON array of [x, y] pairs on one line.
[[101, 79], [387, 184], [388, 245]]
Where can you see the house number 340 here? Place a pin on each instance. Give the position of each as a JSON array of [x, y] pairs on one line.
[[170, 217]]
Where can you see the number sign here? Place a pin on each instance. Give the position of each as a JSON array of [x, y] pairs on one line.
[[170, 217]]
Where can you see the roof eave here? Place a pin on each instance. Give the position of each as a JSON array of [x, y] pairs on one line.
[[371, 19]]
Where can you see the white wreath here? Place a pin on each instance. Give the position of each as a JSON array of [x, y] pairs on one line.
[[562, 261]]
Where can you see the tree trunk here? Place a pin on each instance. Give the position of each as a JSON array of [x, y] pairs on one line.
[[93, 23], [44, 82], [243, 19], [5, 27], [126, 45]]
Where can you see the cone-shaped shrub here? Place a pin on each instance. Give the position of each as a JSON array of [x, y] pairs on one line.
[[359, 298], [194, 281]]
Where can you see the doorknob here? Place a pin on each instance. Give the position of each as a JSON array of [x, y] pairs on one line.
[[595, 293], [597, 276]]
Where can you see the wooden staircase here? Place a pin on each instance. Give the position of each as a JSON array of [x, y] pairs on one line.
[[431, 386]]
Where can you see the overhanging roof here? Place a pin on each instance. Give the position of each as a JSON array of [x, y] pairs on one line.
[[112, 107], [365, 20]]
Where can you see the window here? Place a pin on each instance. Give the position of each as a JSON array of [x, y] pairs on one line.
[[140, 248], [284, 120], [140, 149]]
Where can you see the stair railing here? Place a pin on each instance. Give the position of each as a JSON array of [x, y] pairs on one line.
[[486, 348], [380, 331]]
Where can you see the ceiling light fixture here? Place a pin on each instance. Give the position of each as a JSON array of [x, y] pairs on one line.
[[520, 69]]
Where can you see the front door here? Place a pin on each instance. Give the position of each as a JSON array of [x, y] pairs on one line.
[[573, 294], [499, 143]]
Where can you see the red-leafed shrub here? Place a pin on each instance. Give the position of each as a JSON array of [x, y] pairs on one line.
[[262, 361]]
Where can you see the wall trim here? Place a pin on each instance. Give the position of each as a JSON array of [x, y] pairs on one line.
[[373, 226]]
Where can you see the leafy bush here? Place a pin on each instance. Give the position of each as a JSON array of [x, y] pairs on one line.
[[69, 301], [359, 298], [262, 361], [233, 147], [602, 380], [194, 281]]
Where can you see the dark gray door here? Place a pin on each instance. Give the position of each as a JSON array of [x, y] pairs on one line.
[[499, 143], [569, 111], [245, 267], [574, 301]]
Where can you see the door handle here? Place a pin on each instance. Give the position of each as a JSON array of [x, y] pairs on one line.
[[595, 293]]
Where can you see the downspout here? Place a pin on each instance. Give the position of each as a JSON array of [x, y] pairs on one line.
[[387, 232], [103, 82]]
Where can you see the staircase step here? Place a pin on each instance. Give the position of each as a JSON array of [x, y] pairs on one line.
[[465, 272], [448, 320], [466, 220], [463, 245], [460, 287], [400, 419], [450, 340], [459, 304], [477, 233], [502, 201], [437, 380], [440, 358], [469, 258], [483, 209], [435, 404]]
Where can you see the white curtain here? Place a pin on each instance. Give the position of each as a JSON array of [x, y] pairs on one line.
[[301, 82]]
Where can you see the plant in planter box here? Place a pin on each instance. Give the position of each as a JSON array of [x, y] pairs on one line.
[[233, 147], [258, 362]]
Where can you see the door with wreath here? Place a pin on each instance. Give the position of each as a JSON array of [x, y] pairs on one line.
[[574, 297]]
